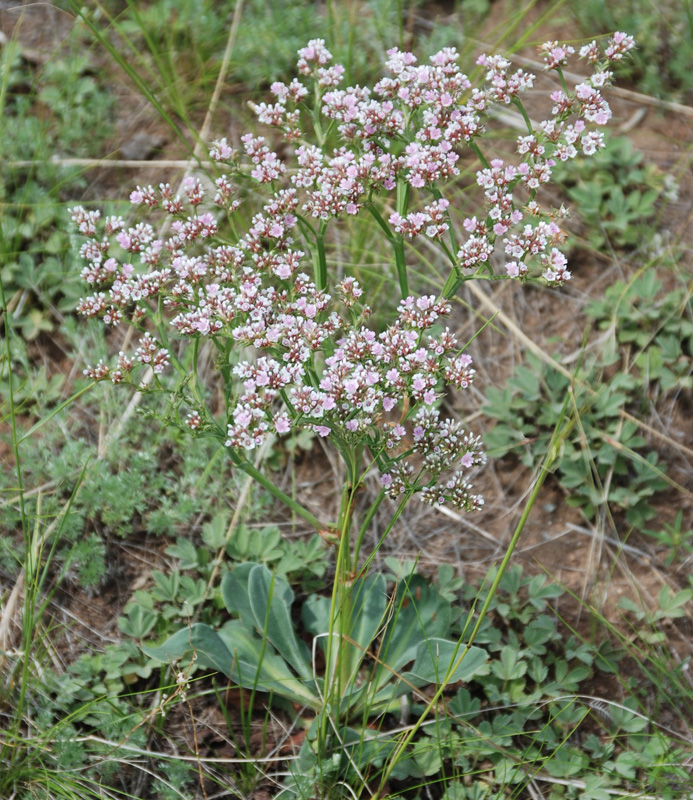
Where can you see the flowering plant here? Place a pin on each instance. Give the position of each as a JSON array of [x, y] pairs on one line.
[[293, 343], [309, 358]]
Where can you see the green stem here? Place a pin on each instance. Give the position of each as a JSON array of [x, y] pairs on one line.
[[336, 658], [225, 370], [402, 201], [401, 264], [306, 228], [552, 455], [391, 524], [315, 114], [448, 252], [402, 206], [397, 243], [475, 147], [195, 357], [451, 230], [320, 258], [381, 222], [518, 105], [275, 491], [452, 284], [372, 511]]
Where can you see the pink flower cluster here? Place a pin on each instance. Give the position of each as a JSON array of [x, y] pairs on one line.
[[431, 221], [314, 362], [365, 379], [435, 444], [410, 126]]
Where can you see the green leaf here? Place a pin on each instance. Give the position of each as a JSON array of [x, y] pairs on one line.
[[511, 666], [139, 621], [673, 606], [270, 599], [234, 592], [596, 788], [258, 665], [185, 550], [538, 632], [367, 614], [419, 613], [540, 591], [214, 531], [369, 601], [199, 638], [193, 592], [315, 615], [166, 586], [239, 654], [426, 753], [436, 657], [464, 705]]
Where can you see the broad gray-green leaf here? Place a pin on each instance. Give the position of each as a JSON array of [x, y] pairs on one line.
[[419, 613], [316, 615], [234, 592], [367, 615], [268, 601], [436, 656], [316, 619], [257, 665], [237, 653], [367, 612], [200, 638]]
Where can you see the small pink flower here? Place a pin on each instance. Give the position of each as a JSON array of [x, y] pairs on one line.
[[282, 425]]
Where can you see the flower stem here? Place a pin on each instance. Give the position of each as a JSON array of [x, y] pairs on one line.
[[381, 222], [320, 258], [372, 511], [452, 284], [336, 656], [475, 147], [402, 205], [391, 524], [518, 105], [562, 77], [275, 491], [435, 191], [401, 264]]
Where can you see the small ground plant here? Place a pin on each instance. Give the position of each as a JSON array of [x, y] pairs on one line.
[[645, 350], [57, 110], [617, 195]]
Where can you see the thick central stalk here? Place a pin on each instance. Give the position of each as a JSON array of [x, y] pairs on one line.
[[339, 652]]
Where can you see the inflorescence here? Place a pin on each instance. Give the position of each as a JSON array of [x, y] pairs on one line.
[[313, 361]]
